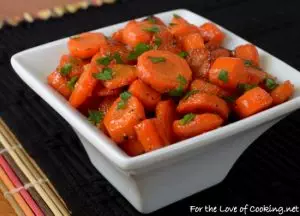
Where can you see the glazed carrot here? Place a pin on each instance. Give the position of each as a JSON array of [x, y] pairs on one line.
[[103, 92], [247, 52], [203, 86], [126, 112], [118, 35], [90, 103], [228, 72], [252, 101], [211, 33], [193, 41], [133, 147], [199, 61], [165, 116], [154, 20], [192, 125], [86, 44], [179, 27], [70, 66], [148, 135], [148, 96], [282, 92], [84, 86], [255, 75], [164, 71], [202, 102], [217, 53], [60, 83], [103, 107], [117, 76]]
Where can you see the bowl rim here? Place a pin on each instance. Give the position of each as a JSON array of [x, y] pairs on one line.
[[105, 145]]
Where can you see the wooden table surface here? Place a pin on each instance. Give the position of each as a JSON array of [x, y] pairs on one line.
[[5, 208]]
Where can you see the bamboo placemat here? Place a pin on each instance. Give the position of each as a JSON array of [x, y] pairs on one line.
[[31, 177]]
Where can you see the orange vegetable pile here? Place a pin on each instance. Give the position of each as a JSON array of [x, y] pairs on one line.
[[150, 85]]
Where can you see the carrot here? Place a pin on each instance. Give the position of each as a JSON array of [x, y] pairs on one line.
[[118, 35], [203, 86], [117, 76], [212, 34], [247, 52], [86, 44], [70, 65], [228, 72], [103, 107], [165, 116], [90, 103], [148, 96], [199, 61], [164, 71], [193, 41], [282, 92], [179, 27], [192, 125], [154, 20], [255, 76], [122, 116], [148, 135], [217, 53], [252, 101], [108, 92], [59, 83], [133, 147], [202, 102], [84, 86]]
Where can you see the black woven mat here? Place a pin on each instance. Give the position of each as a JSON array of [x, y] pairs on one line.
[[267, 173]]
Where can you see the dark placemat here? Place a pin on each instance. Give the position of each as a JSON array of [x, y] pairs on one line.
[[267, 173]]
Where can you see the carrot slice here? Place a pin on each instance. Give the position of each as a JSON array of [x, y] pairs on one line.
[[193, 41], [199, 61], [154, 20], [165, 116], [197, 124], [122, 75], [118, 35], [252, 101], [108, 92], [282, 92], [59, 83], [211, 33], [148, 135], [163, 70], [86, 44], [73, 66], [202, 102], [256, 76], [228, 72], [220, 52], [247, 52], [103, 107], [203, 86], [84, 86], [148, 96], [120, 121], [179, 27], [133, 147]]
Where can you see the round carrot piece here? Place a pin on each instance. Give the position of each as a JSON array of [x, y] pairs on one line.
[[193, 125], [59, 83], [163, 70], [193, 41], [165, 116], [252, 101], [84, 86], [73, 66], [121, 118], [133, 147], [199, 61], [203, 86], [211, 33], [148, 96], [154, 20], [179, 27], [228, 72], [282, 92], [220, 52], [86, 44], [202, 102], [103, 92], [103, 107], [256, 76], [118, 35], [247, 52], [148, 135]]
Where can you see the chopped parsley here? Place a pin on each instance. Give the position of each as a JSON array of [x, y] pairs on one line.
[[183, 54], [153, 29], [157, 41], [118, 58], [243, 87], [71, 83], [179, 90], [95, 116], [176, 16], [151, 19], [124, 98], [104, 60], [223, 75], [187, 118], [270, 83], [172, 24], [105, 74], [66, 69], [190, 93], [156, 60], [138, 50], [229, 99]]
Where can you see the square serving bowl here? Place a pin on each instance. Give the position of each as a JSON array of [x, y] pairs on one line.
[[159, 178]]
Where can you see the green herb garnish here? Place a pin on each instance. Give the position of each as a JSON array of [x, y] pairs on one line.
[[95, 116], [138, 50], [151, 19], [66, 69], [153, 29], [104, 60], [179, 90], [172, 24], [248, 63], [105, 74], [157, 42], [223, 75], [124, 98], [243, 87], [270, 83], [118, 58], [71, 83], [229, 99], [183, 54], [187, 118], [156, 60], [190, 93], [176, 16]]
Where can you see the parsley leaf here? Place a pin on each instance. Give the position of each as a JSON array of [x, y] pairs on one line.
[[104, 60], [223, 75], [243, 87], [138, 50], [105, 74], [187, 118], [229, 99], [157, 41], [270, 83], [118, 58], [190, 93], [151, 19], [248, 63], [176, 16], [71, 83], [172, 24], [124, 98], [66, 69], [153, 29], [179, 90], [183, 54], [95, 116], [181, 80], [156, 60]]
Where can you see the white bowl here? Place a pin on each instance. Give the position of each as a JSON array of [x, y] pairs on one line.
[[159, 178]]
